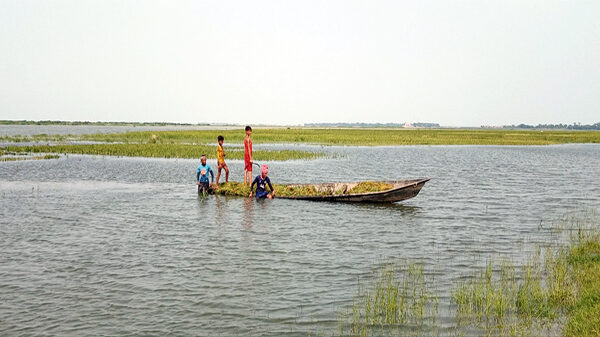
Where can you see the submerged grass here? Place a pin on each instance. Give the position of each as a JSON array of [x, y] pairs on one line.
[[162, 151], [558, 283], [398, 302], [341, 136]]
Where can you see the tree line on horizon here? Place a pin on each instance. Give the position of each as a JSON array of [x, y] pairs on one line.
[[561, 126]]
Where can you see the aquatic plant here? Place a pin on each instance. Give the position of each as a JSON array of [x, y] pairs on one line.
[[558, 281], [162, 151], [397, 300], [340, 136], [24, 156]]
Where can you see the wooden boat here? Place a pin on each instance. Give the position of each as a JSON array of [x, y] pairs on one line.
[[401, 190]]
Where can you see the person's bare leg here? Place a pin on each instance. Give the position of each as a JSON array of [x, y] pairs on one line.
[[218, 175], [226, 173]]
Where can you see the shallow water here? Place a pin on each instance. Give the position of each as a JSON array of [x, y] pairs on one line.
[[124, 246]]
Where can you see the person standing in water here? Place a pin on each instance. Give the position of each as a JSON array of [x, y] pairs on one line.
[[248, 156], [261, 181], [221, 161], [202, 175]]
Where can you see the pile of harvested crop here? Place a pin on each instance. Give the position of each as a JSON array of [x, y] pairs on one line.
[[239, 189], [296, 191], [369, 186], [234, 189]]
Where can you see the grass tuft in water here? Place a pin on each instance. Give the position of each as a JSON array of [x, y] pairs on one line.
[[557, 283], [395, 303]]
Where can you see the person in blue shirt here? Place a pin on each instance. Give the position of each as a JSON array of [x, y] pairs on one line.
[[202, 176], [261, 182]]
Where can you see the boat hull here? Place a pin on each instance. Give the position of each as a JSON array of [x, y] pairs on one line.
[[401, 190]]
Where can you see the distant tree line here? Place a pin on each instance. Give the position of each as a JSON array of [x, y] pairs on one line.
[[49, 122], [574, 126]]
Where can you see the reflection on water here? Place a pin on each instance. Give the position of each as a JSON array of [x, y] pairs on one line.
[[92, 244], [248, 204]]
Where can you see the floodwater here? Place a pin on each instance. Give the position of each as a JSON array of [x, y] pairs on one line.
[[124, 246]]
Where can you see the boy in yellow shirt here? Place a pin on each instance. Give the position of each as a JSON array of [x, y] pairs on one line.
[[221, 161]]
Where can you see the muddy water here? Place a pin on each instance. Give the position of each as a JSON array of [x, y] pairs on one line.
[[124, 246]]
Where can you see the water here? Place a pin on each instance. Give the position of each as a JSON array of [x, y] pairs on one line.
[[124, 246]]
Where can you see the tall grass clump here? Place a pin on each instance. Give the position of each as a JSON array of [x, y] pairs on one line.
[[395, 303], [558, 283], [584, 259], [502, 302]]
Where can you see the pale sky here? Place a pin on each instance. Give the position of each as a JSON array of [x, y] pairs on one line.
[[457, 63]]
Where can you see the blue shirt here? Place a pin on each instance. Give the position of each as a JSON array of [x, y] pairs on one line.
[[203, 178], [261, 184]]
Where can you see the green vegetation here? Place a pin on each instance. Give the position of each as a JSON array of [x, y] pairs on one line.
[[26, 157], [556, 290], [339, 136], [564, 281], [191, 143], [365, 136], [584, 314], [238, 189], [370, 186], [395, 304], [162, 151]]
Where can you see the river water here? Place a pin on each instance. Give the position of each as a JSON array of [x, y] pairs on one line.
[[124, 246]]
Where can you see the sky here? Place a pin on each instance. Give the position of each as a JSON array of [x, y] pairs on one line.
[[456, 63]]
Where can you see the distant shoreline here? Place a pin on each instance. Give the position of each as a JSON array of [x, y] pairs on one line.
[[336, 125]]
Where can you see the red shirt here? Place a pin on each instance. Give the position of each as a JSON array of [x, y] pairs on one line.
[[247, 149]]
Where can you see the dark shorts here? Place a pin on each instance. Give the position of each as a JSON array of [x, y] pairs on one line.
[[260, 195], [203, 188]]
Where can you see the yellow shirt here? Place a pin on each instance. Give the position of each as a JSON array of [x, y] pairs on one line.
[[220, 154]]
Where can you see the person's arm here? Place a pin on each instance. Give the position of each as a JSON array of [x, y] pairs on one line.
[[212, 176], [198, 175], [270, 186]]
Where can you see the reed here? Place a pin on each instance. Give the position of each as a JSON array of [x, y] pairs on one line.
[[396, 302]]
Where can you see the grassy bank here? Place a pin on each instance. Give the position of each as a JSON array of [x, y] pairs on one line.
[[338, 136], [161, 151]]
